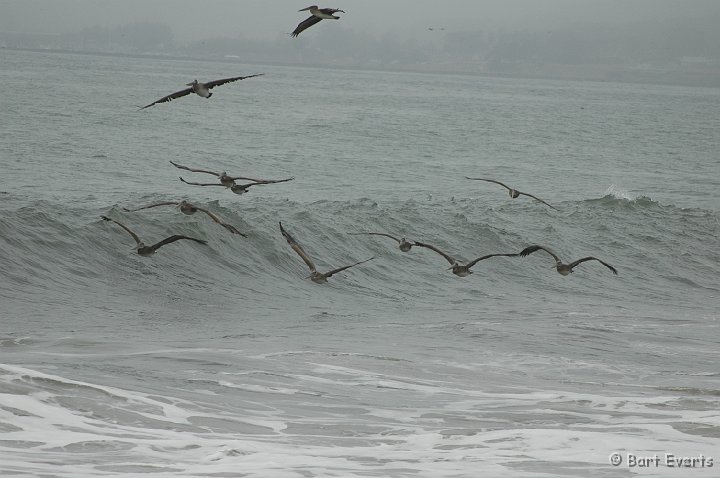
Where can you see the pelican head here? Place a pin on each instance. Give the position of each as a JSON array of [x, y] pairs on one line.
[[312, 7], [514, 193], [192, 83]]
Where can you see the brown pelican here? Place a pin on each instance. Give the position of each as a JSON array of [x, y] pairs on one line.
[[188, 208], [403, 244], [564, 269], [317, 15], [239, 188], [459, 269], [225, 179], [201, 89], [315, 276], [144, 250], [514, 193]]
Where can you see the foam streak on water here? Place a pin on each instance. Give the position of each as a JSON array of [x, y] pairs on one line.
[[221, 360]]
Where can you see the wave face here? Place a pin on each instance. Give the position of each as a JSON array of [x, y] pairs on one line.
[[222, 359]]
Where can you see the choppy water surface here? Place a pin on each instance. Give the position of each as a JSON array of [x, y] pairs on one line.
[[221, 360]]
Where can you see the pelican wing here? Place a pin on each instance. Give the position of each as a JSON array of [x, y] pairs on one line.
[[213, 84], [491, 181], [201, 184], [170, 97], [530, 249], [375, 234], [134, 236], [217, 219], [472, 263], [180, 166], [538, 199], [447, 257], [298, 249], [305, 24], [164, 203], [263, 181], [174, 238], [340, 269], [584, 259], [331, 11]]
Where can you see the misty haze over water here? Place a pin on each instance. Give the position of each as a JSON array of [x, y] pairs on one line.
[[654, 41]]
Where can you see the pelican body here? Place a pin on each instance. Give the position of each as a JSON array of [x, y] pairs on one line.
[[514, 193], [315, 276], [460, 270], [317, 15], [200, 89], [403, 244], [147, 251], [562, 268]]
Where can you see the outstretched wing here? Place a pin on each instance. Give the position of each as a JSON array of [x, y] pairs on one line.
[[180, 166], [374, 234], [584, 259], [201, 184], [340, 269], [134, 236], [170, 97], [491, 181], [174, 238], [472, 263], [296, 247], [530, 249], [305, 24], [447, 257], [538, 199], [217, 219], [164, 203], [213, 84], [263, 181]]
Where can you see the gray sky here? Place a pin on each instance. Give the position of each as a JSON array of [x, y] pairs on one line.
[[265, 19]]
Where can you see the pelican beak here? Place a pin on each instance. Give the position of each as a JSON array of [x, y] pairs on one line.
[[304, 9], [449, 268]]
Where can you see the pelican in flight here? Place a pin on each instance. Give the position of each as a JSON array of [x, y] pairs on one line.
[[189, 209], [514, 193], [201, 89], [317, 15], [564, 269], [239, 188], [225, 179], [460, 270], [144, 250], [315, 276], [403, 244]]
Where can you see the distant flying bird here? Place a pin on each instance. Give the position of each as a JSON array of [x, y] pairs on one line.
[[227, 180], [318, 14], [315, 276], [403, 244], [201, 89], [189, 209], [564, 269], [460, 270], [514, 193], [144, 250], [239, 188]]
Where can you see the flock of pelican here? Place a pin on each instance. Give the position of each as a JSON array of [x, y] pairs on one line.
[[458, 268]]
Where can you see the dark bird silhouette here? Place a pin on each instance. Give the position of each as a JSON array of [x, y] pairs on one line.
[[403, 244], [189, 209], [460, 270], [315, 276], [564, 269], [514, 193], [318, 14], [144, 250], [238, 188], [201, 89]]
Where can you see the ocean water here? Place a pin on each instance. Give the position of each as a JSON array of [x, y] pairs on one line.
[[224, 361]]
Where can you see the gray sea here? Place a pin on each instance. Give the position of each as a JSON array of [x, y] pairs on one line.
[[225, 361]]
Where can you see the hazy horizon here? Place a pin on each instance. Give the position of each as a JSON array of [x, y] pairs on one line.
[[407, 18]]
